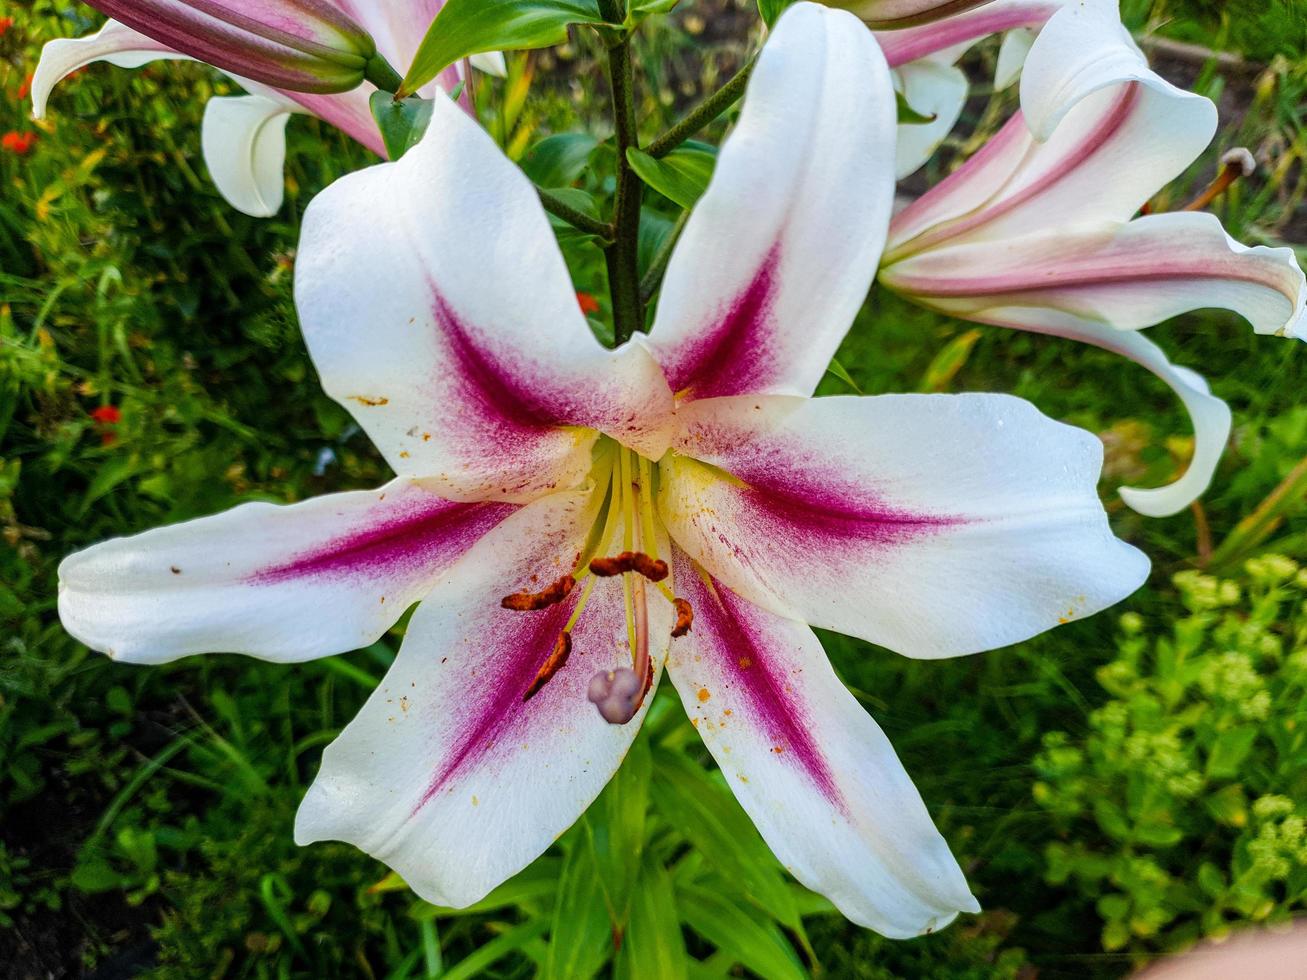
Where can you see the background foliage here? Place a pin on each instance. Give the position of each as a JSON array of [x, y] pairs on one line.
[[1114, 789]]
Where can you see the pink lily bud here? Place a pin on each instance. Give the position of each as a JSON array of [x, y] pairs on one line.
[[300, 45], [892, 14]]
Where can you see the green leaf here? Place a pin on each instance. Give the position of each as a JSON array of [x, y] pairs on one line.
[[645, 8], [740, 932], [707, 814], [944, 367], [476, 964], [580, 939], [910, 116], [681, 176], [772, 9], [94, 875], [467, 27], [614, 830], [841, 372], [402, 122], [1229, 750], [653, 947], [558, 160]]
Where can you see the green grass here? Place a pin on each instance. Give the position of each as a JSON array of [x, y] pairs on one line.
[[145, 814]]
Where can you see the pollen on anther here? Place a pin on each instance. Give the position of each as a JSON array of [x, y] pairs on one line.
[[654, 569], [684, 617], [556, 661], [555, 593]]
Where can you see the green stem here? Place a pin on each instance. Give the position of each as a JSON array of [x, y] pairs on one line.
[[577, 219], [704, 113], [379, 73], [622, 254]]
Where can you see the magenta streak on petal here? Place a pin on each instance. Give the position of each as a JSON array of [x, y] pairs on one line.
[[502, 400], [516, 645], [736, 353], [750, 668], [807, 500], [1072, 158], [1072, 276], [912, 43], [413, 538]]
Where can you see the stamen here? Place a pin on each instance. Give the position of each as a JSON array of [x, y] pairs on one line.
[[535, 601], [654, 569], [684, 617], [556, 661], [1235, 163]]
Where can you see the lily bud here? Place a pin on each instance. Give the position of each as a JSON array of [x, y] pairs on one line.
[[893, 14], [300, 45]]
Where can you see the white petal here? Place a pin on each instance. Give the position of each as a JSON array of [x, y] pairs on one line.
[[491, 62], [279, 583], [774, 261], [1012, 54], [810, 766], [244, 142], [1209, 414], [114, 43], [438, 310], [447, 774], [931, 88], [933, 525]]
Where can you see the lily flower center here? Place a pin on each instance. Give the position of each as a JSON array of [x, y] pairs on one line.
[[627, 481]]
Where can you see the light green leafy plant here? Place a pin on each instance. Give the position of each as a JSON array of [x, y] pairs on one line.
[[1181, 805]]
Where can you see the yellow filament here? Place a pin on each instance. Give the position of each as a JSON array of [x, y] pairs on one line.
[[628, 505], [576, 613]]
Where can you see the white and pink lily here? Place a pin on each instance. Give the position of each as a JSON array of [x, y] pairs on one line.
[[1038, 230], [924, 58], [573, 519], [244, 136]]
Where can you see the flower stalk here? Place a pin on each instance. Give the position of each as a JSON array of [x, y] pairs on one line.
[[622, 253]]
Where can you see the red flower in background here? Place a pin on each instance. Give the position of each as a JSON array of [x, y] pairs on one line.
[[5, 24], [25, 87], [19, 144], [587, 303], [105, 418]]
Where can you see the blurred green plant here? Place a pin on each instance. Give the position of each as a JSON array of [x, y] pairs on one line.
[[1181, 806]]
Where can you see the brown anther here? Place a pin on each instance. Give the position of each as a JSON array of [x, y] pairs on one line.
[[654, 569], [534, 601], [557, 660], [684, 617]]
